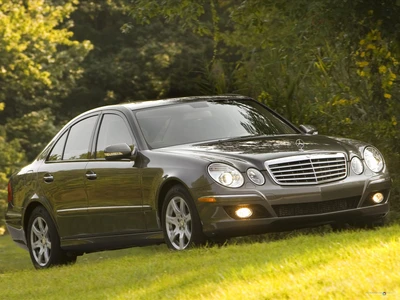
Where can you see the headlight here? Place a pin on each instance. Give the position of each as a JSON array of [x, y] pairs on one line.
[[255, 176], [225, 175], [357, 165], [373, 158]]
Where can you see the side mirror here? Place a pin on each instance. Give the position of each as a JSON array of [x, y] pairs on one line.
[[308, 129], [119, 151]]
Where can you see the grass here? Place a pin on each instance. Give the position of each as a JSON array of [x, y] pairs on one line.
[[347, 265]]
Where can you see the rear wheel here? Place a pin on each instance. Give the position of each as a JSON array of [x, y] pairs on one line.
[[181, 222], [44, 242]]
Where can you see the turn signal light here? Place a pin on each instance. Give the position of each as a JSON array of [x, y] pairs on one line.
[[207, 199]]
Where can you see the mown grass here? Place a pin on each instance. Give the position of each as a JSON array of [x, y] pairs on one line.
[[347, 265]]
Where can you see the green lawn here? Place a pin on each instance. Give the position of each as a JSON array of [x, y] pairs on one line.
[[347, 265]]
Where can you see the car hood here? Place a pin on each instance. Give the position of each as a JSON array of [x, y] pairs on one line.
[[256, 150]]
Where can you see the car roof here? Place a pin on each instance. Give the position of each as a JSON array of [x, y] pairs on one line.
[[162, 102]]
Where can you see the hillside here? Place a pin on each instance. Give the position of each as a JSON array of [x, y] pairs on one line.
[[347, 265]]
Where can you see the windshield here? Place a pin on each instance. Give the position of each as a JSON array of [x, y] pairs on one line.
[[201, 121]]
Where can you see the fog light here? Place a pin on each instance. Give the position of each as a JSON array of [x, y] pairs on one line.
[[377, 197], [244, 212]]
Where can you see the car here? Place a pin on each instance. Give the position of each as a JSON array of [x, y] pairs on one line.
[[185, 171]]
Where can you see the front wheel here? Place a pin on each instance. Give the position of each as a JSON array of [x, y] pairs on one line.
[[181, 222], [44, 242]]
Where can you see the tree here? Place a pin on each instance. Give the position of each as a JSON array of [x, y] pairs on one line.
[[135, 63], [11, 155], [330, 63], [39, 64]]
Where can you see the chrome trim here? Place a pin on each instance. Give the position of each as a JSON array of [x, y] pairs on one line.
[[118, 207], [71, 209], [232, 196], [102, 207], [308, 167]]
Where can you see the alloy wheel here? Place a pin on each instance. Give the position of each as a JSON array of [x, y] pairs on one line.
[[40, 241], [178, 221]]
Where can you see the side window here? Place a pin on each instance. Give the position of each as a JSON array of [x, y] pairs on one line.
[[57, 151], [77, 146], [113, 130]]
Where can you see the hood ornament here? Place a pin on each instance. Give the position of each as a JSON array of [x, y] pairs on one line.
[[300, 144]]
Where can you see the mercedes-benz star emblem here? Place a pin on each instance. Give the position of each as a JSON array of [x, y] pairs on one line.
[[300, 144]]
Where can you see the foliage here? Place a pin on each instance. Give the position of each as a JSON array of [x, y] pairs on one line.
[[333, 64], [136, 63], [38, 59], [346, 265], [33, 130], [11, 156], [188, 12], [329, 63], [39, 64]]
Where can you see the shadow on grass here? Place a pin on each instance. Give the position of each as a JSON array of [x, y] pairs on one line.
[[393, 219], [252, 258], [157, 273], [13, 258]]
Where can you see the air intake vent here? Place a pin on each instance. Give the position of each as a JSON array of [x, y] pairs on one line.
[[307, 169], [301, 209]]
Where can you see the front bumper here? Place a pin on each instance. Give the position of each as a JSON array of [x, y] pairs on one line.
[[278, 208], [231, 228]]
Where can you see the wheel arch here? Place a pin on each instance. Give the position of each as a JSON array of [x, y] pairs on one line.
[[28, 212], [164, 188]]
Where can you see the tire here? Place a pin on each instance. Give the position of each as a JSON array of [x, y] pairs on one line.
[[181, 223], [44, 242]]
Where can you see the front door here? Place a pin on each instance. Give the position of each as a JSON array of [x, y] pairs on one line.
[[114, 187]]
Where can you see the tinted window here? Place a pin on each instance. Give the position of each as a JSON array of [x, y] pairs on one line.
[[77, 146], [56, 153], [113, 130], [208, 120]]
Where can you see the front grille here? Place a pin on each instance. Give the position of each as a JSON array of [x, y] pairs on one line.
[[313, 208], [307, 169]]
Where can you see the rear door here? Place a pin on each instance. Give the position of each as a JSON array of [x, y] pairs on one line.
[[62, 177], [114, 187]]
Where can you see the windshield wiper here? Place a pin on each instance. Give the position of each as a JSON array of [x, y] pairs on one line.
[[243, 138], [232, 139]]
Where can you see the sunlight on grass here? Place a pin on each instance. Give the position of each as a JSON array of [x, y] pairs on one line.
[[347, 265]]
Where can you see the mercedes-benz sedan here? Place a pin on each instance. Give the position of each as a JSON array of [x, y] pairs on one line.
[[184, 171]]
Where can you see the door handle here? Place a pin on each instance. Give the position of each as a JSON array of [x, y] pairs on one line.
[[91, 175], [48, 178]]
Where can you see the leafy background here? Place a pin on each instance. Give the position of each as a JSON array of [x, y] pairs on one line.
[[330, 63]]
